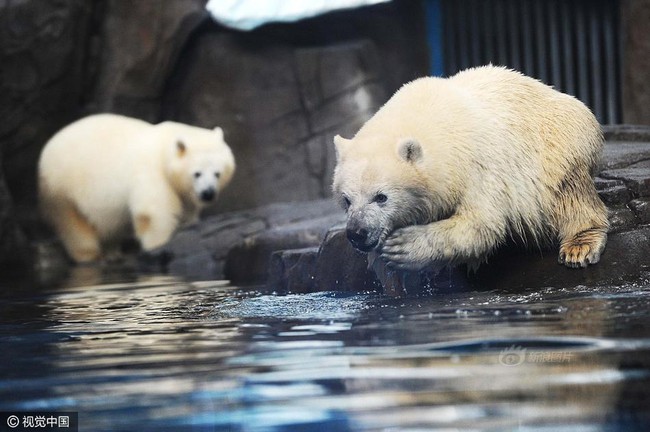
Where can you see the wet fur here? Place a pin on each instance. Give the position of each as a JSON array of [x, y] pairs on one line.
[[503, 156]]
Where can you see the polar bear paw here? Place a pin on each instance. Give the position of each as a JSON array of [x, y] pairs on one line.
[[583, 249], [408, 248]]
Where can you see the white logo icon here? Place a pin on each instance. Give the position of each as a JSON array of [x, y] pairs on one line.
[[512, 356], [13, 421]]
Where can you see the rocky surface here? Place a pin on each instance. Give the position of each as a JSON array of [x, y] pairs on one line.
[[302, 247], [14, 250], [239, 245], [43, 53], [626, 133], [635, 44], [140, 43]]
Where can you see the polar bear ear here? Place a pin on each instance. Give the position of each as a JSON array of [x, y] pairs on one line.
[[219, 133], [340, 144], [181, 148], [410, 150]]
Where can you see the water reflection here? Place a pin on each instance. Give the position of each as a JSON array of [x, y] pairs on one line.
[[156, 353]]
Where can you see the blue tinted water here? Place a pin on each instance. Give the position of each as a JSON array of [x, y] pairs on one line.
[[153, 353]]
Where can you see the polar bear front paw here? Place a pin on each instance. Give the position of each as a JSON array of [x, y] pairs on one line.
[[408, 248], [583, 249]]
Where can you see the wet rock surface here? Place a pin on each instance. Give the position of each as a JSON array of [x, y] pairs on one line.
[[239, 245], [302, 247]]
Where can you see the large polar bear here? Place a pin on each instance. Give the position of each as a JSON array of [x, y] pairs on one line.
[[449, 169], [106, 174]]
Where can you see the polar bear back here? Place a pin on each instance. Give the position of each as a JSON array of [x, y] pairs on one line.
[[529, 113], [489, 117], [488, 107], [76, 162]]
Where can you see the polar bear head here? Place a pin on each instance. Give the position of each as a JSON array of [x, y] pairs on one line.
[[381, 190], [199, 162]]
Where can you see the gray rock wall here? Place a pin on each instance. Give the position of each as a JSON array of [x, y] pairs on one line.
[[44, 46], [139, 44], [279, 107], [13, 243], [635, 18]]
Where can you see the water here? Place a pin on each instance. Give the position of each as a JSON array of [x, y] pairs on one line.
[[153, 353]]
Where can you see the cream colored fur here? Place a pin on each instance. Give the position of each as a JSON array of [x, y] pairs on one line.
[[469, 161], [106, 174]]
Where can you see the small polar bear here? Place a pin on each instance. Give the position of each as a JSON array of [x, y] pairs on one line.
[[107, 176], [450, 169]]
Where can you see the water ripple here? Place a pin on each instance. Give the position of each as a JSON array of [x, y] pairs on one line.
[[167, 355]]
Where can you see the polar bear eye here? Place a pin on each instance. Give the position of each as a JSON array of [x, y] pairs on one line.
[[380, 198], [197, 174], [346, 203], [217, 174]]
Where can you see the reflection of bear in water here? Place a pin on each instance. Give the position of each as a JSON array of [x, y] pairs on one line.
[[448, 169], [106, 173]]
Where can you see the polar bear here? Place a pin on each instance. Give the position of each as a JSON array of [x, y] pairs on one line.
[[107, 176], [449, 169]]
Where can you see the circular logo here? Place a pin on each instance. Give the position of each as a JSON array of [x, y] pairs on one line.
[[13, 421], [512, 356]]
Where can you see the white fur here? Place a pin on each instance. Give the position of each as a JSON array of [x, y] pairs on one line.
[[493, 150], [105, 173]]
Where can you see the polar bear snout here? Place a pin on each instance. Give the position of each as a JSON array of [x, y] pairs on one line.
[[206, 186], [360, 237], [208, 195]]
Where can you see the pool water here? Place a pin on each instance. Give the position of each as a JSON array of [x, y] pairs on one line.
[[154, 353]]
